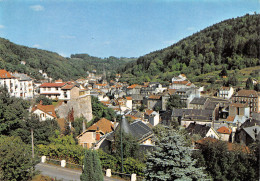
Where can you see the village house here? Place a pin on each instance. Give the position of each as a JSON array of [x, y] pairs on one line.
[[152, 117], [62, 91], [249, 97], [181, 82], [226, 92], [224, 133], [94, 133], [133, 89], [202, 130], [18, 85], [139, 130], [44, 112]]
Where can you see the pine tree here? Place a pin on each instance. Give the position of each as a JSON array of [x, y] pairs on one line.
[[92, 170], [87, 172], [98, 175], [171, 160], [249, 84]]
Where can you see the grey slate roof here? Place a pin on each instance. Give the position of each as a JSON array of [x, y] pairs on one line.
[[137, 129], [193, 114], [22, 77], [199, 100], [252, 131], [194, 128]]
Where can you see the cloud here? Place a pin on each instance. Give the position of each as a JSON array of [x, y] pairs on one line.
[[36, 46], [2, 26], [37, 8], [67, 37]]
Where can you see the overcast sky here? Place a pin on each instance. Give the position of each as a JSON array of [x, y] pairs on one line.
[[121, 28]]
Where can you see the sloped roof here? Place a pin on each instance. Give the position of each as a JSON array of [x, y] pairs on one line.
[[252, 131], [224, 130], [194, 128], [48, 109], [184, 82], [199, 100], [140, 130], [193, 113], [154, 97], [5, 75], [128, 98], [148, 112], [104, 125], [247, 93], [68, 87], [134, 86], [52, 84]]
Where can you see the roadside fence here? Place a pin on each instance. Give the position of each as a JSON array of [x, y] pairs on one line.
[[107, 172]]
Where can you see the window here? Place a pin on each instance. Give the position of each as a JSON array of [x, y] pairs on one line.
[[57, 88]]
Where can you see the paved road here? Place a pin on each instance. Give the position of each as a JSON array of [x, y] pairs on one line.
[[65, 174]]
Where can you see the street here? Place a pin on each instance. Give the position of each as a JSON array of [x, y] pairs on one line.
[[65, 174]]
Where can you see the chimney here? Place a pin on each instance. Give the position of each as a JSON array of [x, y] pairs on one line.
[[97, 134]]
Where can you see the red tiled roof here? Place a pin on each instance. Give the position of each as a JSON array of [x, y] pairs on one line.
[[148, 112], [133, 86], [52, 84], [154, 97], [128, 98], [5, 75], [104, 125], [131, 116], [230, 118], [68, 87], [49, 109], [184, 82], [224, 130]]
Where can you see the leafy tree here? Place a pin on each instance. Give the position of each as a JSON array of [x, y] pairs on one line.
[[175, 102], [171, 160], [249, 84], [12, 112], [44, 99], [232, 80], [222, 163], [15, 159], [99, 110]]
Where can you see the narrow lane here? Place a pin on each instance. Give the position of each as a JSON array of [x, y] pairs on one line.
[[65, 174]]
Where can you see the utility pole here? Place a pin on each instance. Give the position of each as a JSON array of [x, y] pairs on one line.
[[121, 141], [32, 143]]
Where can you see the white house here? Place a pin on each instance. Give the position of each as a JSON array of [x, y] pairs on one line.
[[24, 86], [226, 92], [44, 112], [152, 117], [129, 102]]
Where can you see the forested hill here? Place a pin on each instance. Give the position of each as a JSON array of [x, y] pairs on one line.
[[53, 64], [233, 44], [100, 64]]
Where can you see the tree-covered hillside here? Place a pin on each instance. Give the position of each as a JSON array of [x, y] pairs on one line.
[[53, 64], [100, 64], [233, 44]]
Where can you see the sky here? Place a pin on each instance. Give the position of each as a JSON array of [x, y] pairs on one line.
[[103, 28]]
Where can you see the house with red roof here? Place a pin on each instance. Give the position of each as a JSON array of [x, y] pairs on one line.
[[18, 85], [181, 82], [224, 133], [94, 133], [44, 112], [61, 90]]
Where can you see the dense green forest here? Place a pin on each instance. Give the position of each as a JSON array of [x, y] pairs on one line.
[[232, 44], [53, 64]]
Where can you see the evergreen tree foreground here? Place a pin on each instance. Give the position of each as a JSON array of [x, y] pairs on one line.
[[171, 160], [92, 170]]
